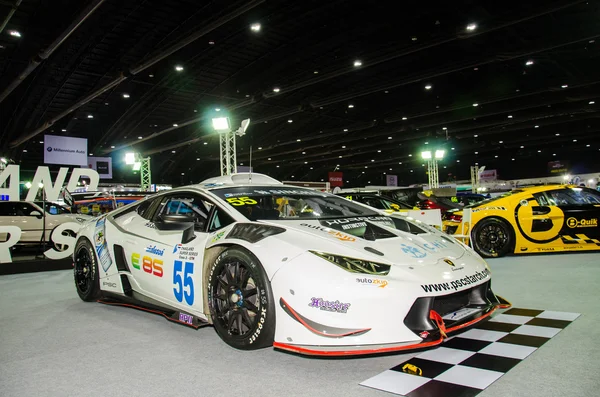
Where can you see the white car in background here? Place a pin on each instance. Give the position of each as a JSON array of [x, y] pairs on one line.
[[274, 265], [29, 217]]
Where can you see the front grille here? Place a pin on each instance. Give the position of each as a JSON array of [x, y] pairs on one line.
[[418, 320], [450, 303]]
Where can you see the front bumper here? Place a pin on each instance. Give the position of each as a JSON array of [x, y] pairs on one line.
[[425, 318]]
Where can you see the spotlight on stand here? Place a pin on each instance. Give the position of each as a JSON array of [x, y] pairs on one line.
[[432, 166], [142, 164], [227, 142]]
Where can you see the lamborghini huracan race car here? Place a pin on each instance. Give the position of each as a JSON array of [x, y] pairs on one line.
[[527, 220], [274, 265]]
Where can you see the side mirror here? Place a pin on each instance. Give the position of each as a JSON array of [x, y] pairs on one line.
[[36, 213], [177, 222]]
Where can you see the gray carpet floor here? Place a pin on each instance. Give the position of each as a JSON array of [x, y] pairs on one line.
[[53, 344]]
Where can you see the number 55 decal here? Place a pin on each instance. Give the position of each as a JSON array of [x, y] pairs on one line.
[[184, 284]]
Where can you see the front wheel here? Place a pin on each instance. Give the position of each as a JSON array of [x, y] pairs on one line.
[[492, 238], [85, 271], [241, 301]]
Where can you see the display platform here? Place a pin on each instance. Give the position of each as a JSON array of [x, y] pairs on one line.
[[469, 363]]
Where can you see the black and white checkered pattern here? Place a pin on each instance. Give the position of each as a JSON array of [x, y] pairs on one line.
[[468, 363]]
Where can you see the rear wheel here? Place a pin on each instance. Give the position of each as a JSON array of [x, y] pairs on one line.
[[241, 301], [85, 271], [492, 238]]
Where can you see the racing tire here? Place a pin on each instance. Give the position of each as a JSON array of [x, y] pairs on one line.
[[240, 300], [85, 271], [493, 238]]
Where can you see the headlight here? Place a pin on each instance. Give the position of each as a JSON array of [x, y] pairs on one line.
[[354, 265]]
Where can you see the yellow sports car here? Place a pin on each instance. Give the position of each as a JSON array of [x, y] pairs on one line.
[[548, 218]]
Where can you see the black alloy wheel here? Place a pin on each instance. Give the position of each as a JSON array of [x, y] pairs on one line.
[[240, 300], [85, 271], [492, 238]]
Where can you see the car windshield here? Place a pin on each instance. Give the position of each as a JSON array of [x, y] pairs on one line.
[[52, 208], [288, 203]]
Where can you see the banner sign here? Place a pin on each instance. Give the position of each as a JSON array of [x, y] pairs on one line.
[[488, 175], [336, 179], [65, 150], [558, 167], [391, 180], [101, 164]]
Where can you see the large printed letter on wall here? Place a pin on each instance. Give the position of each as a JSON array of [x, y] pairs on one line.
[[42, 175], [78, 173], [14, 235], [12, 189]]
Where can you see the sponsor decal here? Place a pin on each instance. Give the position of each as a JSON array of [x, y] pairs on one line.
[[574, 222], [283, 192], [150, 225], [436, 245], [424, 335], [573, 247], [412, 369], [489, 209], [342, 221], [372, 281], [109, 284], [340, 236], [217, 237], [185, 253], [413, 251], [149, 265], [460, 314], [457, 284], [186, 318], [153, 249], [354, 225], [545, 249], [101, 246], [330, 306]]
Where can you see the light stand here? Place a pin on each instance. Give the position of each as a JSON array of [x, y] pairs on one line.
[[141, 164], [227, 149], [432, 167], [43, 238]]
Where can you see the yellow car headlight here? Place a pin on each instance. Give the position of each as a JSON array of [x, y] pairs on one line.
[[354, 265]]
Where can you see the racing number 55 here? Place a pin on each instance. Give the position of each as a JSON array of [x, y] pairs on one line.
[[236, 201], [180, 291]]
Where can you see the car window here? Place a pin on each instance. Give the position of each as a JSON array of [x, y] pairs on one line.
[[21, 209], [564, 197], [143, 209], [219, 220], [188, 204], [590, 196]]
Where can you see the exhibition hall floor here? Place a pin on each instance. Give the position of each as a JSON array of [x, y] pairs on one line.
[[53, 344]]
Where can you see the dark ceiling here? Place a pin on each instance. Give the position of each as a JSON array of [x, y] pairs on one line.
[[486, 104]]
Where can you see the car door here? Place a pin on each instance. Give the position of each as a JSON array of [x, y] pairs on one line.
[[568, 214], [163, 265], [29, 219], [581, 207]]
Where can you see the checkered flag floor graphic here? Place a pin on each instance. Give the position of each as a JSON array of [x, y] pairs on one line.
[[468, 363]]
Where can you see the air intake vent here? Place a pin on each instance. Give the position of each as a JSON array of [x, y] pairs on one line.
[[119, 255]]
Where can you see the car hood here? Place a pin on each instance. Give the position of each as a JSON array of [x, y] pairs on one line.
[[376, 239]]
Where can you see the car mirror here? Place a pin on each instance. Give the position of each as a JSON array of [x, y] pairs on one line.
[[35, 213], [177, 222]]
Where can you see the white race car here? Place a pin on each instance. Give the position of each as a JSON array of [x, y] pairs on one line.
[[274, 265]]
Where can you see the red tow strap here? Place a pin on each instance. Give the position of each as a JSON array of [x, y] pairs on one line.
[[439, 321]]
